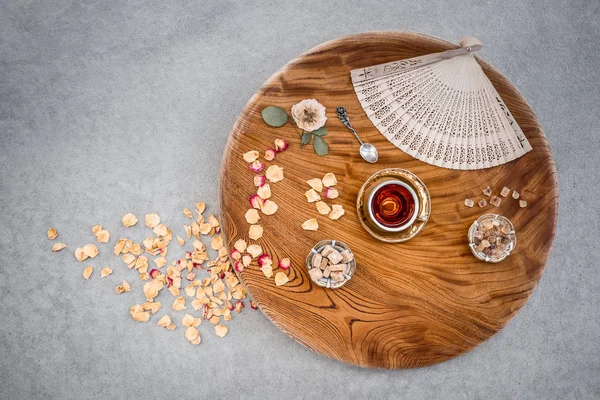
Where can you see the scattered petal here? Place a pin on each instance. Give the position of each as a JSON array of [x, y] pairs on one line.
[[90, 250], [285, 263], [103, 236], [161, 230], [192, 335], [52, 234], [269, 154], [124, 287], [331, 193], [58, 247], [323, 208], [337, 212], [312, 195], [138, 313], [188, 213], [165, 322], [252, 216], [274, 173], [251, 156], [152, 220], [310, 225], [87, 272], [267, 270], [259, 180], [221, 330], [255, 232], [105, 272], [179, 304], [264, 259], [316, 184], [269, 207], [254, 250], [180, 240], [129, 220], [240, 245], [281, 279], [264, 192], [280, 145], [256, 166], [256, 201], [329, 180]]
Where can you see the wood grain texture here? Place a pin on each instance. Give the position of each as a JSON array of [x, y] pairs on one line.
[[411, 304]]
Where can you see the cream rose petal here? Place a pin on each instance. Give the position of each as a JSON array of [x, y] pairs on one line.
[[310, 225], [274, 173], [129, 220]]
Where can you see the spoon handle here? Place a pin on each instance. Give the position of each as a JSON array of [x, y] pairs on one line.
[[343, 116]]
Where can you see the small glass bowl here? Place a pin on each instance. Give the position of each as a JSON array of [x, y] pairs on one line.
[[339, 246], [512, 238]]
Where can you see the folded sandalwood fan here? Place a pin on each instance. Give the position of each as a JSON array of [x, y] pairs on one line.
[[195, 283]]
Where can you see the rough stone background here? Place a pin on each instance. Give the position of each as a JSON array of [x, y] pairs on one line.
[[108, 107]]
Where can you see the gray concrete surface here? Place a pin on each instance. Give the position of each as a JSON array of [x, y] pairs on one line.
[[108, 107]]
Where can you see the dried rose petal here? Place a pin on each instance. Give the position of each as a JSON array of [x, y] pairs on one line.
[[189, 320], [138, 313], [281, 279], [52, 234], [256, 201], [254, 250], [259, 180], [280, 145], [310, 225], [129, 220], [179, 304], [200, 207], [251, 156], [285, 263], [188, 213], [58, 247], [90, 250], [323, 208], [267, 270], [235, 254], [192, 335], [336, 212], [217, 242], [152, 220], [247, 260], [274, 173], [253, 305], [103, 236], [269, 154], [269, 207], [329, 180], [161, 230], [331, 193], [105, 272], [221, 330], [153, 307], [312, 195], [124, 287], [87, 272], [239, 266], [316, 184], [256, 166], [154, 273], [255, 232], [264, 192], [240, 245], [264, 259], [165, 322], [252, 216]]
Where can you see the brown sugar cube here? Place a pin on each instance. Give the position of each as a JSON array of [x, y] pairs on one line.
[[315, 274], [327, 271], [495, 201], [316, 261], [515, 195], [337, 276], [505, 191], [522, 203], [324, 263], [347, 256], [469, 203], [487, 191], [338, 268], [327, 250], [482, 203], [335, 257]]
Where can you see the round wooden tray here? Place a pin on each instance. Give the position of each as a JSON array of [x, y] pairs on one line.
[[409, 304]]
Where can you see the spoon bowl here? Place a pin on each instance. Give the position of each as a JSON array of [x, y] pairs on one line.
[[369, 153]]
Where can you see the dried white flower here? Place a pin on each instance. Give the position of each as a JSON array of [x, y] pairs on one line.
[[309, 115]]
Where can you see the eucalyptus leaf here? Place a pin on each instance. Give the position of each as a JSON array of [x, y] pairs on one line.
[[305, 138], [274, 116], [320, 132], [321, 147]]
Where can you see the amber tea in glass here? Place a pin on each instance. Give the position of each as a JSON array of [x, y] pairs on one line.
[[393, 205]]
